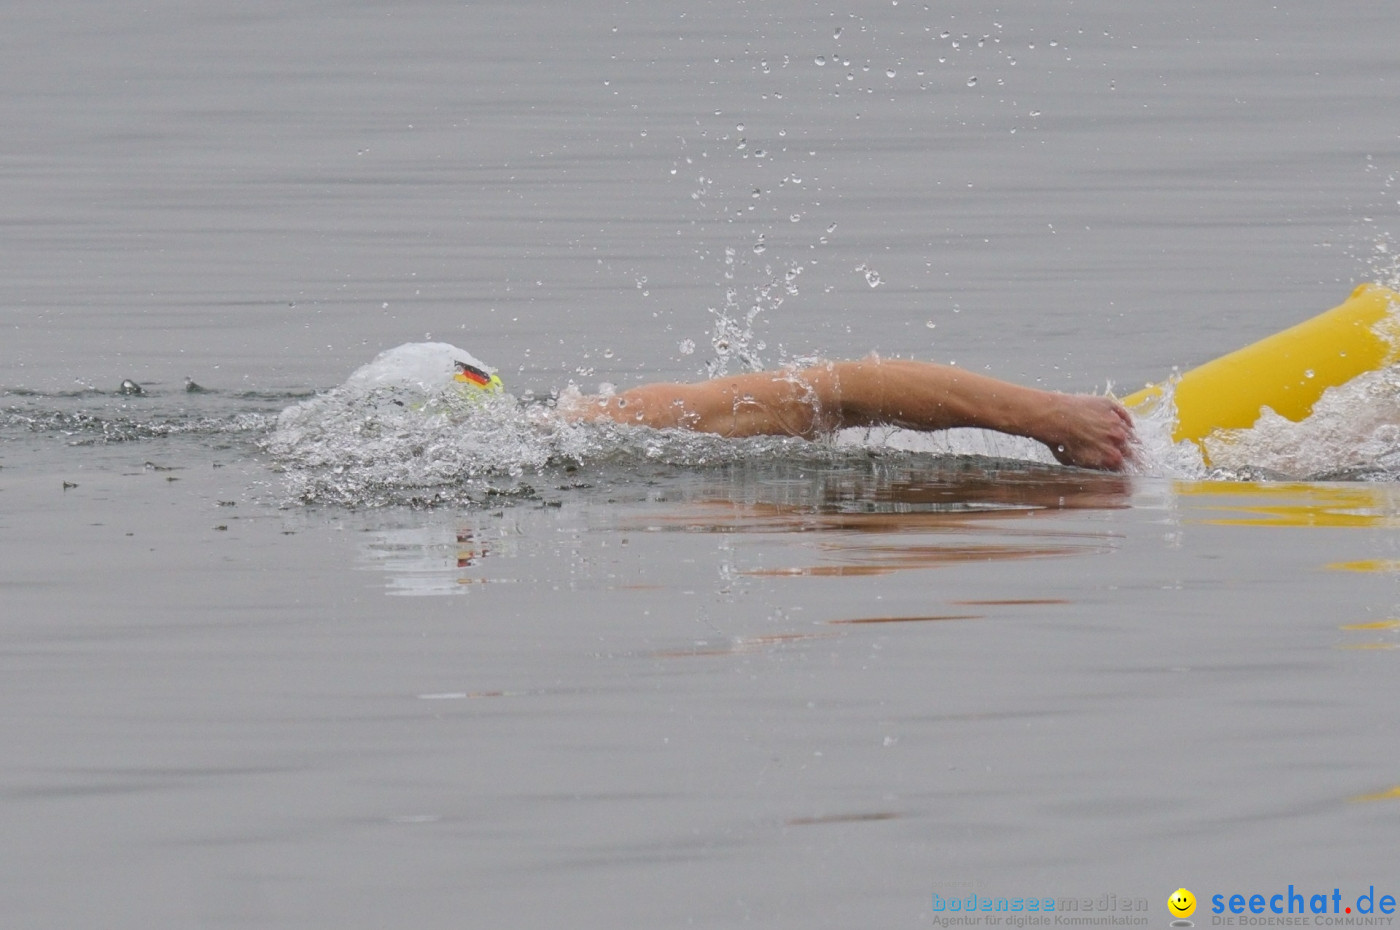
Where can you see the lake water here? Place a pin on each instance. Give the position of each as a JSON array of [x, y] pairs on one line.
[[505, 674]]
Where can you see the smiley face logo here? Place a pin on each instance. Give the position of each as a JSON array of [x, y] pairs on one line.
[[1182, 903]]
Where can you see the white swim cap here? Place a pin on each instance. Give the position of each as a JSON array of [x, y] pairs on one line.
[[428, 367]]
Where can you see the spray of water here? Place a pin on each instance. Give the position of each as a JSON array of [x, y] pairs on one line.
[[398, 431], [733, 336]]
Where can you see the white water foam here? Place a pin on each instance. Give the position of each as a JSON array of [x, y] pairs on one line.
[[1354, 430]]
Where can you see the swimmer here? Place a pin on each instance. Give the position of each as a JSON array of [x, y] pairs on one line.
[[1079, 429]]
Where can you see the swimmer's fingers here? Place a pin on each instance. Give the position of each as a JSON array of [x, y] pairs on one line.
[[1090, 432]]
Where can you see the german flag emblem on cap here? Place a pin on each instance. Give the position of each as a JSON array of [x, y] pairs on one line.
[[470, 374]]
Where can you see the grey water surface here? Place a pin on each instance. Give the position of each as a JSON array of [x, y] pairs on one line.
[[648, 684]]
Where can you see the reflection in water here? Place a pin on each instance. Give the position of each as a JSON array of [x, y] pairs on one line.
[[1298, 504], [882, 560], [1366, 565], [1372, 626], [424, 560], [986, 510], [848, 507], [949, 495], [1311, 505]]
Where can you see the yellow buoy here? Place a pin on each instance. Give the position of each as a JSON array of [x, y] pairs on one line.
[[1287, 371]]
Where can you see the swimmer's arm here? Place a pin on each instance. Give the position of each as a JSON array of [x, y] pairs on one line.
[[764, 403], [1093, 432], [1079, 429]]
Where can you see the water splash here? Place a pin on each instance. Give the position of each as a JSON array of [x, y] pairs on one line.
[[1157, 452], [398, 433], [1353, 432], [733, 335]]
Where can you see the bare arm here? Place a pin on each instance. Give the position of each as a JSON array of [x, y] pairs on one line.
[[1093, 432]]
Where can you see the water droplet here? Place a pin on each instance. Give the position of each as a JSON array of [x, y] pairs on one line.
[[931, 325], [1309, 374], [872, 277], [836, 33], [889, 72], [821, 61], [972, 81], [796, 218], [607, 353]]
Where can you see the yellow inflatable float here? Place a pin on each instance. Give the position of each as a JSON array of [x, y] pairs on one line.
[[1287, 371]]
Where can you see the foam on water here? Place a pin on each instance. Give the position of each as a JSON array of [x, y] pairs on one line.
[[1353, 432]]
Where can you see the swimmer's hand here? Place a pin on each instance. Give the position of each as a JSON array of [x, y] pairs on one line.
[[1087, 431]]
